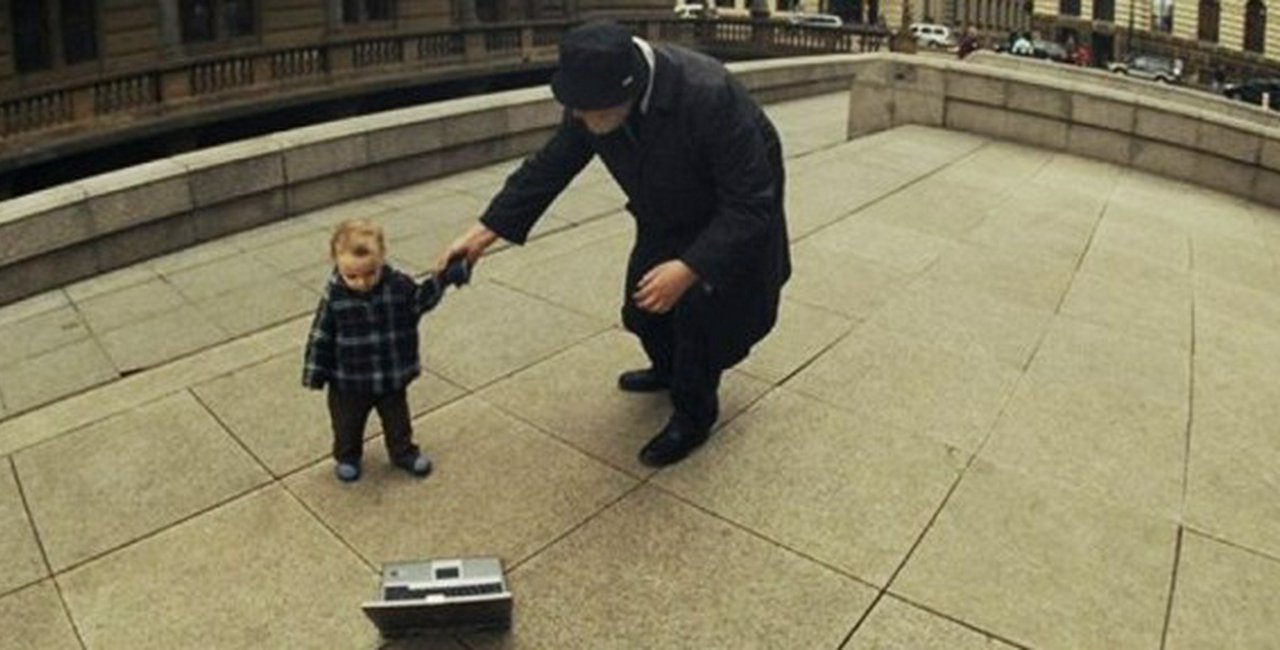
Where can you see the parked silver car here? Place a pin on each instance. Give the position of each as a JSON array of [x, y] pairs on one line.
[[1149, 66]]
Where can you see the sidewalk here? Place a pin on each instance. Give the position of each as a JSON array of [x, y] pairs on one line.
[[1016, 399]]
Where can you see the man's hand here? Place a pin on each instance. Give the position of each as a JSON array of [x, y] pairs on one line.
[[660, 289], [470, 245]]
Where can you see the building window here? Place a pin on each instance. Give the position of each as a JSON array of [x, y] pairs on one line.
[[1104, 10], [79, 31], [1208, 29], [32, 46], [43, 39], [1069, 7], [211, 20], [1255, 26], [1162, 16], [364, 11]]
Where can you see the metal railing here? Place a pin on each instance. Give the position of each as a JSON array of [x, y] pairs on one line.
[[190, 85]]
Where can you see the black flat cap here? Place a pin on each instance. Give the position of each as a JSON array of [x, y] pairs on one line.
[[600, 67]]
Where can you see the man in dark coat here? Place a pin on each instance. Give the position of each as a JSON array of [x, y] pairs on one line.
[[702, 168]]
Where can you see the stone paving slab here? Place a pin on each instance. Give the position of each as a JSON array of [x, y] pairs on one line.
[[1043, 566], [1224, 597], [574, 396], [219, 276], [109, 282], [58, 373], [257, 307], [259, 572], [598, 277], [880, 485], [21, 561], [154, 341], [34, 619], [1154, 311], [144, 387], [895, 623], [457, 338], [1234, 454], [963, 318], [801, 335], [286, 426], [951, 395], [830, 278], [107, 311], [40, 333], [1039, 283], [659, 573], [109, 484], [498, 487]]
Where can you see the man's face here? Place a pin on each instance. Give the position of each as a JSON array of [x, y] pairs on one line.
[[360, 273], [604, 120]]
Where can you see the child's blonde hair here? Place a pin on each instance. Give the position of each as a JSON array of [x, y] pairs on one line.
[[358, 237]]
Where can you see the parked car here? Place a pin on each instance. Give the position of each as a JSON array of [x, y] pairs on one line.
[[692, 11], [829, 21], [1252, 91], [1148, 66], [931, 35]]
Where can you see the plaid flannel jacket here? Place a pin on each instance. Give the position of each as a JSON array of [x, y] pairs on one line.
[[368, 342]]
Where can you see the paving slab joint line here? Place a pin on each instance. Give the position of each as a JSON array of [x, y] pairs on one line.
[[765, 538], [247, 492], [895, 191], [961, 622], [66, 611], [26, 507], [373, 568], [226, 428], [1266, 555], [911, 551], [516, 564], [1173, 588], [1191, 408]]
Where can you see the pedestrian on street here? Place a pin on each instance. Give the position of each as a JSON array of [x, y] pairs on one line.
[[701, 166]]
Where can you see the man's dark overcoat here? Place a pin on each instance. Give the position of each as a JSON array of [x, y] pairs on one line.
[[701, 166]]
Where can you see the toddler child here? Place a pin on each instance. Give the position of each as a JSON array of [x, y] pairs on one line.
[[364, 345]]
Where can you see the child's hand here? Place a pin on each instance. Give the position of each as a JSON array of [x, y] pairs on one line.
[[469, 246]]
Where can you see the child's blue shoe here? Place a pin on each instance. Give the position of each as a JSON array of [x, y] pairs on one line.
[[347, 472], [419, 465]]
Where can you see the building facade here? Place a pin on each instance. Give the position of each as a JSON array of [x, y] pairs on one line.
[[44, 42]]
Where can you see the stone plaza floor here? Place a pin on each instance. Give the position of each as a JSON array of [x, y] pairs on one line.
[[1016, 399]]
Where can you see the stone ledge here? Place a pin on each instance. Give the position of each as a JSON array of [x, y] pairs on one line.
[[1160, 130], [66, 233]]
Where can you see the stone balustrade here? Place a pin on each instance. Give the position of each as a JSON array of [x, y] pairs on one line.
[[73, 231], [1195, 139]]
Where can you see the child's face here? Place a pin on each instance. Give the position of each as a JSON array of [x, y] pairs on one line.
[[360, 272]]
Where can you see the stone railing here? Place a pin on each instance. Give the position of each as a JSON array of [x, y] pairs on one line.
[[1128, 127], [45, 122], [53, 237], [1197, 99]]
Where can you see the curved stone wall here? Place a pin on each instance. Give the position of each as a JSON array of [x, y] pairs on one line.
[[1189, 138], [54, 237]]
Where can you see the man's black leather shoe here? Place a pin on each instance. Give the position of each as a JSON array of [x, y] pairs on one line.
[[643, 381], [672, 444]]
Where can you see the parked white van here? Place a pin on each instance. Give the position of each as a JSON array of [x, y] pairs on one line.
[[931, 35]]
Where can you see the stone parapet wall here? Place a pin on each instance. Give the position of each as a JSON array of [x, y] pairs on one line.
[[1192, 98], [1127, 126], [63, 234]]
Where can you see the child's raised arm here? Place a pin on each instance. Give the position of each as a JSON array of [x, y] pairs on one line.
[[432, 289]]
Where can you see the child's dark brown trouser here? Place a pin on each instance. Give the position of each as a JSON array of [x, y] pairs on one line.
[[349, 412]]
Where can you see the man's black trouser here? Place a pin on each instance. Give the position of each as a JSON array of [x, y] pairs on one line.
[[677, 345], [349, 411]]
